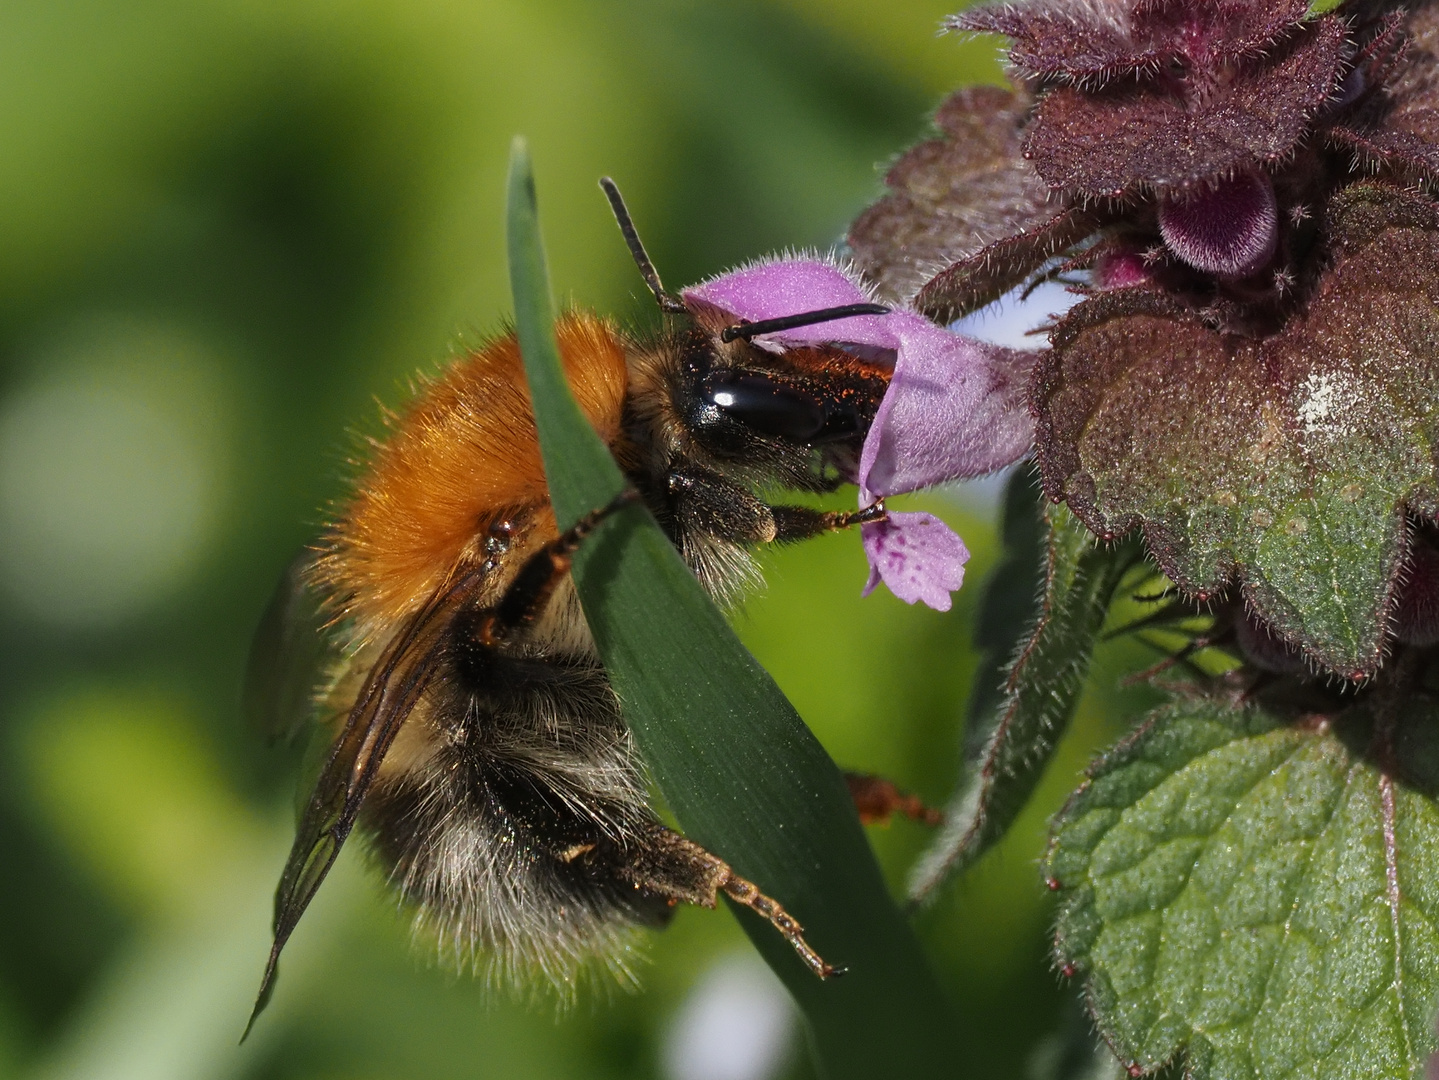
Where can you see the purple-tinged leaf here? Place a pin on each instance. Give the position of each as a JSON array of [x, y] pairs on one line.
[[1412, 150], [1282, 465], [1083, 43], [1409, 68], [1129, 139], [1091, 44], [952, 196], [1396, 124], [991, 272]]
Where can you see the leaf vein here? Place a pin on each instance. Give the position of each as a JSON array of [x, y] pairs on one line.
[[1288, 930]]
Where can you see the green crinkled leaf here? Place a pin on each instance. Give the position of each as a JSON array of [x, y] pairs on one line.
[[1074, 1052], [1283, 464], [1010, 740], [1260, 894], [736, 764]]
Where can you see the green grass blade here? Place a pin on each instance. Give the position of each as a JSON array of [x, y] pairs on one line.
[[738, 767]]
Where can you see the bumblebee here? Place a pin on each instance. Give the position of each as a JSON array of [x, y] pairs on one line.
[[477, 740]]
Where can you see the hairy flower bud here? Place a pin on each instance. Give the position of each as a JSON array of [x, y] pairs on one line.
[[1229, 230]]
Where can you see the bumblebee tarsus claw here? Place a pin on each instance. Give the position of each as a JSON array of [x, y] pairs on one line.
[[572, 537], [747, 893], [848, 520]]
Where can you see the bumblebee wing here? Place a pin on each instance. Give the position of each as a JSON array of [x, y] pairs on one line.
[[291, 652], [395, 683]]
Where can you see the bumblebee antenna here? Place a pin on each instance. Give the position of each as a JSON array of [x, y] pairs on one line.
[[748, 330], [667, 301]]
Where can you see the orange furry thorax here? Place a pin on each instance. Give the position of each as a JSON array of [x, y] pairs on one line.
[[462, 455]]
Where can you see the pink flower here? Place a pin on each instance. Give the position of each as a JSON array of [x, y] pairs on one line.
[[954, 410]]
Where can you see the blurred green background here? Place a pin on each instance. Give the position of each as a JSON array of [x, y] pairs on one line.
[[226, 229]]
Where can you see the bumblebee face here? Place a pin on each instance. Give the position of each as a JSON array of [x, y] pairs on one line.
[[780, 410], [744, 404]]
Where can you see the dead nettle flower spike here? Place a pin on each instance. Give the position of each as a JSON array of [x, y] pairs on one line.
[[1215, 130], [1247, 191]]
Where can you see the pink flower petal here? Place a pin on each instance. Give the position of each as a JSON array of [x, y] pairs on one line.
[[918, 556], [1229, 230], [770, 290], [955, 409]]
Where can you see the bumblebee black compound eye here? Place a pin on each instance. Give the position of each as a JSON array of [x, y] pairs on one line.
[[765, 406]]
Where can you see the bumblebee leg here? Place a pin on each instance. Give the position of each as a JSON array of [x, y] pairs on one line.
[[800, 522], [710, 504], [745, 892], [675, 867], [532, 587], [707, 503], [878, 799]]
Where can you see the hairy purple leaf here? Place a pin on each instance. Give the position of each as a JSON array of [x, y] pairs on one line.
[[1397, 127], [1129, 139], [991, 272], [952, 196], [1284, 464], [1094, 43]]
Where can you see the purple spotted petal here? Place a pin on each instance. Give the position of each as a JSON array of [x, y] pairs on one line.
[[955, 409], [918, 556], [1229, 230]]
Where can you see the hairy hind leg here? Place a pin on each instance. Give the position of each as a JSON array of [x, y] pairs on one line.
[[717, 506], [676, 868]]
